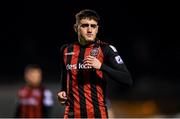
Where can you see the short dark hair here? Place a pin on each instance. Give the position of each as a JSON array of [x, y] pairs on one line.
[[31, 67], [87, 13]]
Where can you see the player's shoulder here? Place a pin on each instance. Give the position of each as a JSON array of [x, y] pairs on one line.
[[112, 48], [66, 46], [25, 87], [102, 43], [107, 46], [63, 47]]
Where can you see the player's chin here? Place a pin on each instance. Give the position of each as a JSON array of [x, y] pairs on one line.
[[90, 39]]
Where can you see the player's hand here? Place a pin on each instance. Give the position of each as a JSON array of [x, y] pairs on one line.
[[92, 62], [62, 97]]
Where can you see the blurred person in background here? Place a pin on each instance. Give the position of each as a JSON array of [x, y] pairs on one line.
[[86, 66], [34, 100]]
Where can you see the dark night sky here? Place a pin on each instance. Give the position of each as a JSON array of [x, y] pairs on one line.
[[33, 31]]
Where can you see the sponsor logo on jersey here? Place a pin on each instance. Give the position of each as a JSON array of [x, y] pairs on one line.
[[29, 101], [118, 59], [77, 66]]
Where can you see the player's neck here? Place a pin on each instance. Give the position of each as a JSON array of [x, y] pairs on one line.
[[83, 42], [32, 87]]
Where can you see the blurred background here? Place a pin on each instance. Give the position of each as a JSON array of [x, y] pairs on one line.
[[33, 31]]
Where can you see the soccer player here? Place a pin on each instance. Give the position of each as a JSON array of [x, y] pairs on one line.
[[86, 66], [33, 99]]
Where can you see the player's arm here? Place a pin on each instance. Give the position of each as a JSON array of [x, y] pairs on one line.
[[47, 103], [63, 69], [62, 97], [115, 67]]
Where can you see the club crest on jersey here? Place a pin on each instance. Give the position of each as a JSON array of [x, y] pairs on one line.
[[118, 59], [94, 52]]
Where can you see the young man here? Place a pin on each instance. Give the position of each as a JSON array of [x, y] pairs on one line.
[[33, 99], [86, 67]]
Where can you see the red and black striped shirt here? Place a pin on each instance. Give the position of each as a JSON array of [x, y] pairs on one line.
[[33, 102], [86, 87]]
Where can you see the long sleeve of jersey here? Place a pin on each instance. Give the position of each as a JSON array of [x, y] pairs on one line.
[[114, 66], [63, 70], [47, 103]]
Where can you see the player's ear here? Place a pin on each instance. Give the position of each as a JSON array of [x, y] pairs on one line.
[[97, 29], [75, 28]]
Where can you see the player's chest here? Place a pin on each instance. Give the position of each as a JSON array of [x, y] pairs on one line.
[[74, 59], [31, 97]]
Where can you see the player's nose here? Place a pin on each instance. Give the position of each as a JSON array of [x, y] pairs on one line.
[[89, 30]]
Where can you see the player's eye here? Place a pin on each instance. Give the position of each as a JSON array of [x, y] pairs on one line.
[[87, 25], [93, 25]]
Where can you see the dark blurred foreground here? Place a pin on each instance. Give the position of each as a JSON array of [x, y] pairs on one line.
[[145, 98]]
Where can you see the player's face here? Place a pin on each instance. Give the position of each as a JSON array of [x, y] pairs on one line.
[[33, 77], [87, 29]]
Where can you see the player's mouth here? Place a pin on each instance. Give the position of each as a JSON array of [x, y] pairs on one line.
[[89, 35]]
